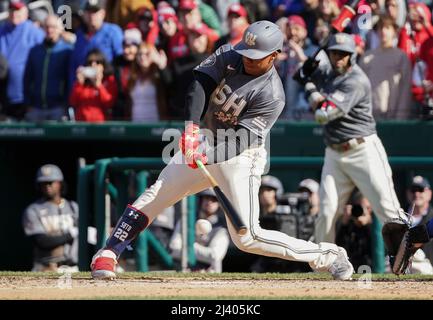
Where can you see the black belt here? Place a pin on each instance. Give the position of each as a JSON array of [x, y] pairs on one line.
[[348, 145]]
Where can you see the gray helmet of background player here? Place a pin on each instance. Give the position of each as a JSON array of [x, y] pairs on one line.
[[273, 183], [343, 42], [260, 39], [49, 173]]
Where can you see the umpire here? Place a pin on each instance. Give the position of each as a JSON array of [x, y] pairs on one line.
[[339, 93], [51, 223]]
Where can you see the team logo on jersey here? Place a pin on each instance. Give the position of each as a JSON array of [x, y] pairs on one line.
[[210, 61], [250, 39], [231, 105], [260, 122]]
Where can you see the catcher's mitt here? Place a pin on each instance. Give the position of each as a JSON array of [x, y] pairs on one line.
[[402, 242]]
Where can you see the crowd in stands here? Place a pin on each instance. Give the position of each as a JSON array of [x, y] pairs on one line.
[[132, 60]]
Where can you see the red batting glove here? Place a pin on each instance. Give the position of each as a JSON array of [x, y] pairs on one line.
[[188, 143]]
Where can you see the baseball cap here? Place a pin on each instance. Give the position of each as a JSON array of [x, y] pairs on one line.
[[94, 5], [188, 4], [297, 20], [309, 184], [238, 9], [165, 11], [420, 182], [16, 5], [48, 173], [208, 193], [274, 183], [132, 36], [260, 39]]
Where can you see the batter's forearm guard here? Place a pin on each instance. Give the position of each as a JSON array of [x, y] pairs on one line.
[[130, 224]]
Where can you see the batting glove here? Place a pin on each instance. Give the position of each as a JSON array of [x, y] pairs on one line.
[[189, 143]]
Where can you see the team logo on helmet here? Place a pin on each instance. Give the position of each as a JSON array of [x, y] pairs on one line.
[[250, 39], [340, 38]]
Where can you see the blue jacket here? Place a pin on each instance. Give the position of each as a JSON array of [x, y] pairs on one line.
[[15, 45], [46, 75], [108, 39]]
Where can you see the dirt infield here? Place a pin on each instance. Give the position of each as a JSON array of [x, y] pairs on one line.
[[202, 287]]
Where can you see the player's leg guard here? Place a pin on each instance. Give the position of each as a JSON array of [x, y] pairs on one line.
[[130, 224]]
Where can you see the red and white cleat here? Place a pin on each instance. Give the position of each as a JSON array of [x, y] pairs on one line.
[[103, 265]]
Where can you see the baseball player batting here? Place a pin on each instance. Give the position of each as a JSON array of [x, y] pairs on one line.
[[235, 88], [340, 94]]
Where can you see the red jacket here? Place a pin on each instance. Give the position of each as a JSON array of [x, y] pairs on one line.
[[426, 55], [92, 104]]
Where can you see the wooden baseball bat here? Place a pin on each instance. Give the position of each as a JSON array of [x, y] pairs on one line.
[[225, 203]]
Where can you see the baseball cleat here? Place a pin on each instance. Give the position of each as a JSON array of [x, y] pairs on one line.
[[103, 264], [341, 268]]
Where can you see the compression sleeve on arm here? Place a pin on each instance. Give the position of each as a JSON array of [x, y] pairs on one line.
[[197, 97]]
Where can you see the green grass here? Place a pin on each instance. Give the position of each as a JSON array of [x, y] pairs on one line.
[[219, 276]]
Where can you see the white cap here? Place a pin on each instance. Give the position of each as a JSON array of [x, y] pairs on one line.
[[132, 36], [309, 184]]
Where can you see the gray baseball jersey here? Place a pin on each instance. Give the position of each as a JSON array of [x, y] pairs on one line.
[[351, 93], [44, 217], [241, 99]]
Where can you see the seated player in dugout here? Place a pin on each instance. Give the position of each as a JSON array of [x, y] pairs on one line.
[[51, 222], [235, 88], [339, 93]]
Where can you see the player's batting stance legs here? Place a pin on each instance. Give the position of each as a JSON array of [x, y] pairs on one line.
[[240, 181]]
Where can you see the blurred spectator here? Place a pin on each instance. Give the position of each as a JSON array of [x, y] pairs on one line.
[[419, 195], [146, 90], [17, 36], [354, 230], [194, 12], [38, 16], [208, 14], [52, 224], [123, 12], [422, 86], [200, 46], [257, 10], [3, 78], [416, 31], [122, 72], [221, 8], [389, 71], [95, 34], [146, 21], [310, 14], [168, 25], [283, 8], [210, 249], [322, 31], [328, 10], [311, 186], [45, 84], [396, 9], [94, 91], [295, 52], [237, 22]]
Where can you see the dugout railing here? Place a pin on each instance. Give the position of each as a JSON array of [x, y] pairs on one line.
[[107, 180]]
